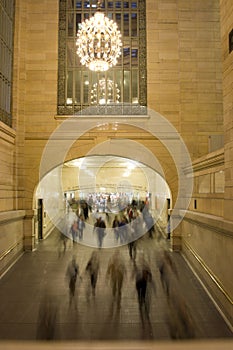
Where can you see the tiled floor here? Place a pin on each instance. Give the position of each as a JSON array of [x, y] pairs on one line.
[[42, 272]]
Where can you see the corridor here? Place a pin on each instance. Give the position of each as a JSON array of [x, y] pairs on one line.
[[43, 273]]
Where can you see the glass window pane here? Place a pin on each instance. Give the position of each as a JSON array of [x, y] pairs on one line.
[[8, 100], [134, 86], [93, 89], [134, 31], [77, 86], [126, 55], [69, 97], [78, 4], [78, 22], [118, 80], [118, 4], [126, 86], [118, 20], [70, 24], [110, 87], [6, 53], [85, 87], [126, 24], [134, 4], [70, 54], [134, 57]]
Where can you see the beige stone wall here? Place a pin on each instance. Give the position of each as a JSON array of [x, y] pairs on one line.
[[207, 244], [184, 68], [7, 185], [174, 50], [207, 238], [11, 237], [11, 219], [226, 27]]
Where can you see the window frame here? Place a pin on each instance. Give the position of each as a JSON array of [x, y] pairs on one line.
[[123, 108], [7, 14]]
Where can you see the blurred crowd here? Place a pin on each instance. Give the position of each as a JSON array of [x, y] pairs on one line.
[[130, 263]]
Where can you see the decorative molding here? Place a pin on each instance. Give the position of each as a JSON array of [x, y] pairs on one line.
[[103, 117], [211, 160], [59, 136], [12, 215], [7, 133], [211, 222]]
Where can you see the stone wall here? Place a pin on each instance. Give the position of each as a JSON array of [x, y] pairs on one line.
[[207, 238], [227, 58], [184, 68]]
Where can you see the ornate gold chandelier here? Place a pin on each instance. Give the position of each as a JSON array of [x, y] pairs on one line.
[[98, 42]]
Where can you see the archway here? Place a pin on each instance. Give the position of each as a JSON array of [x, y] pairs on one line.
[[111, 186], [166, 152]]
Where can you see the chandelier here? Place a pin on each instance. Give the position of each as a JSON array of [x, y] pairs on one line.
[[105, 92], [98, 42]]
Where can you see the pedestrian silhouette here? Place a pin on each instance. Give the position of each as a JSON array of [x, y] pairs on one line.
[[92, 268], [116, 272], [72, 273], [46, 324]]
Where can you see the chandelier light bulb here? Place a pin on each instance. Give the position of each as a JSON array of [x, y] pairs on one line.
[[105, 92], [98, 43]]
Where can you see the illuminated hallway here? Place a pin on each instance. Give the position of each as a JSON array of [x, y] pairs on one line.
[[155, 127], [23, 288]]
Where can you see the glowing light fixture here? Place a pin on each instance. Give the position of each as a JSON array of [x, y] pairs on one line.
[[105, 92], [98, 42]]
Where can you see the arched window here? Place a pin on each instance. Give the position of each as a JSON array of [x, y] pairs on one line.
[[121, 89]]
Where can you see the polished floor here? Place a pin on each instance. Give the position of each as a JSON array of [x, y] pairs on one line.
[[43, 272]]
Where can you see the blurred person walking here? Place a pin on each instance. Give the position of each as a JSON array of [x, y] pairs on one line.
[[116, 272], [72, 273], [81, 226], [144, 285], [47, 317], [100, 228], [92, 269], [132, 246], [180, 321], [168, 271], [115, 225]]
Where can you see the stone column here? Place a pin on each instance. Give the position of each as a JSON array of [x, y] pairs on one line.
[[29, 232]]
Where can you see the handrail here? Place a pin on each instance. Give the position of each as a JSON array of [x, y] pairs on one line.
[[210, 274], [10, 249]]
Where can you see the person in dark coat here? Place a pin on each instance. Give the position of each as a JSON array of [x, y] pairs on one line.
[[99, 228], [92, 268]]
